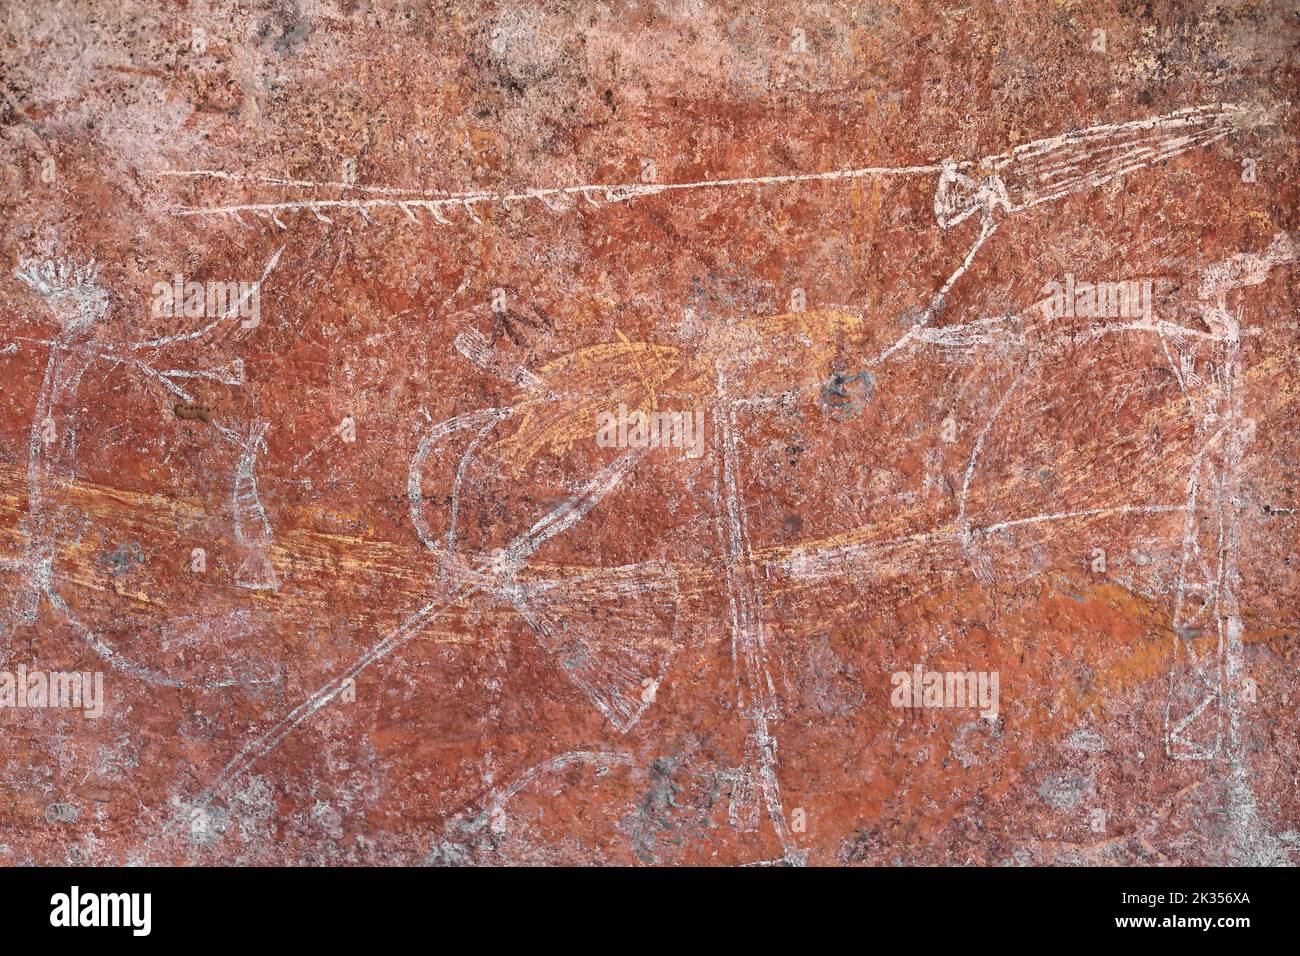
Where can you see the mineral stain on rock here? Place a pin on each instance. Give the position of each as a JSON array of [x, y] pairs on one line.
[[193, 413]]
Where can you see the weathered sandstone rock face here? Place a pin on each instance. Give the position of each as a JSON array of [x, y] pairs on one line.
[[649, 433]]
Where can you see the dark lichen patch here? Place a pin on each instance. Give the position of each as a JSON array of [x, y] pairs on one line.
[[126, 556], [845, 395]]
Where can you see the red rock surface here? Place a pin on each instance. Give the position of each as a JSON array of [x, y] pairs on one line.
[[436, 620]]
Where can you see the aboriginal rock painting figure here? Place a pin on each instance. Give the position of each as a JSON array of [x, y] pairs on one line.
[[1202, 683], [80, 306], [78, 303], [1029, 175], [1206, 678], [618, 669]]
